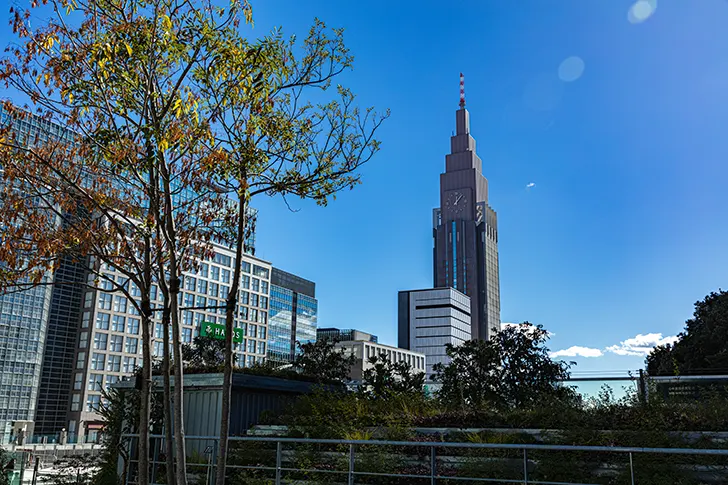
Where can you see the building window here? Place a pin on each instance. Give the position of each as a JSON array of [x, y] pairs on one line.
[[251, 346], [86, 319], [105, 301], [114, 363], [115, 343], [158, 349], [260, 271], [118, 323], [77, 381], [132, 345], [190, 283], [264, 287], [256, 284], [202, 286], [214, 289], [158, 330], [215, 273], [129, 364], [132, 326], [245, 266], [245, 282], [226, 276], [264, 302], [83, 340], [244, 298], [253, 331], [95, 381], [97, 361], [261, 348], [111, 380], [92, 403], [80, 360], [76, 402], [254, 300], [187, 335], [120, 304], [100, 340], [204, 268], [102, 321]]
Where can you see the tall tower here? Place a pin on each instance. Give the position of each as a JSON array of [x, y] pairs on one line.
[[465, 229]]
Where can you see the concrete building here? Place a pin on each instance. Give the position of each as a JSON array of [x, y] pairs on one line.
[[363, 350], [344, 335], [109, 341], [430, 319], [465, 230], [293, 315]]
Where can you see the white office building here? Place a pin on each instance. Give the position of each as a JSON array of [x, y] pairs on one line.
[[429, 319]]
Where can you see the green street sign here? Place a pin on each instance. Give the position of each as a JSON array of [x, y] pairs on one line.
[[216, 330]]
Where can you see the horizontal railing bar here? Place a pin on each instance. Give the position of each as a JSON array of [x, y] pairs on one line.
[[503, 446]]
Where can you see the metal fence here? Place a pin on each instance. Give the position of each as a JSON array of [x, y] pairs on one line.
[[275, 460]]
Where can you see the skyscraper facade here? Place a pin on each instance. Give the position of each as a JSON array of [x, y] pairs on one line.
[[24, 315], [465, 230], [430, 319], [293, 315]]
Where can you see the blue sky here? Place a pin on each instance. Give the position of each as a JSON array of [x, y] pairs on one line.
[[624, 228]]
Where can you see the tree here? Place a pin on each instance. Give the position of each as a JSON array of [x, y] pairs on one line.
[[271, 139], [204, 352], [321, 359], [702, 347], [119, 75], [386, 379], [511, 370]]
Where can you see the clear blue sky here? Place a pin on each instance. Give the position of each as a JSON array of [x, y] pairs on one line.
[[625, 227]]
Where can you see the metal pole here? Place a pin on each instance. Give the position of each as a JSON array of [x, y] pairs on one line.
[[279, 459], [433, 462], [631, 467], [35, 469], [525, 466], [351, 464], [154, 460]]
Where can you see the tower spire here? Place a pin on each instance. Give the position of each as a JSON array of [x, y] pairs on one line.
[[462, 91]]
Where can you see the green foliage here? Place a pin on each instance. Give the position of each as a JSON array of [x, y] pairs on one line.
[[4, 459], [702, 347], [204, 353], [119, 411], [386, 379], [511, 370], [323, 360]]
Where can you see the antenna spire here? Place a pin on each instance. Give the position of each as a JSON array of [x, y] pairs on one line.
[[462, 91]]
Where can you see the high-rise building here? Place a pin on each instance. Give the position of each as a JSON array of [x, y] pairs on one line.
[[430, 319], [465, 229], [61, 342], [109, 339], [293, 315], [24, 315]]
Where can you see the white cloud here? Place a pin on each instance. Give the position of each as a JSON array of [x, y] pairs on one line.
[[641, 345], [577, 351], [530, 184]]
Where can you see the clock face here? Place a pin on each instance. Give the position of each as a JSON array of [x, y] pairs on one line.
[[455, 202]]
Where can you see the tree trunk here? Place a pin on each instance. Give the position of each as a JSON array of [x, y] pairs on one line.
[[230, 305], [170, 234], [144, 394], [169, 450]]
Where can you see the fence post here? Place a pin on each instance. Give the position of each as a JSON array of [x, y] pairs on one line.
[[525, 466], [631, 467], [351, 464], [433, 462], [279, 459]]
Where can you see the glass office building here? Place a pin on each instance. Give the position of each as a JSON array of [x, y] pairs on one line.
[[24, 316], [293, 315]]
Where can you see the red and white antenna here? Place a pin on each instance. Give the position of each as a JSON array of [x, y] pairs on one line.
[[462, 91]]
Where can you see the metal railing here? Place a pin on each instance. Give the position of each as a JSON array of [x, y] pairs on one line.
[[348, 450]]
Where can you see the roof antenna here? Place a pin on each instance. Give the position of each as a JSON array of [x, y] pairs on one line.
[[462, 91]]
